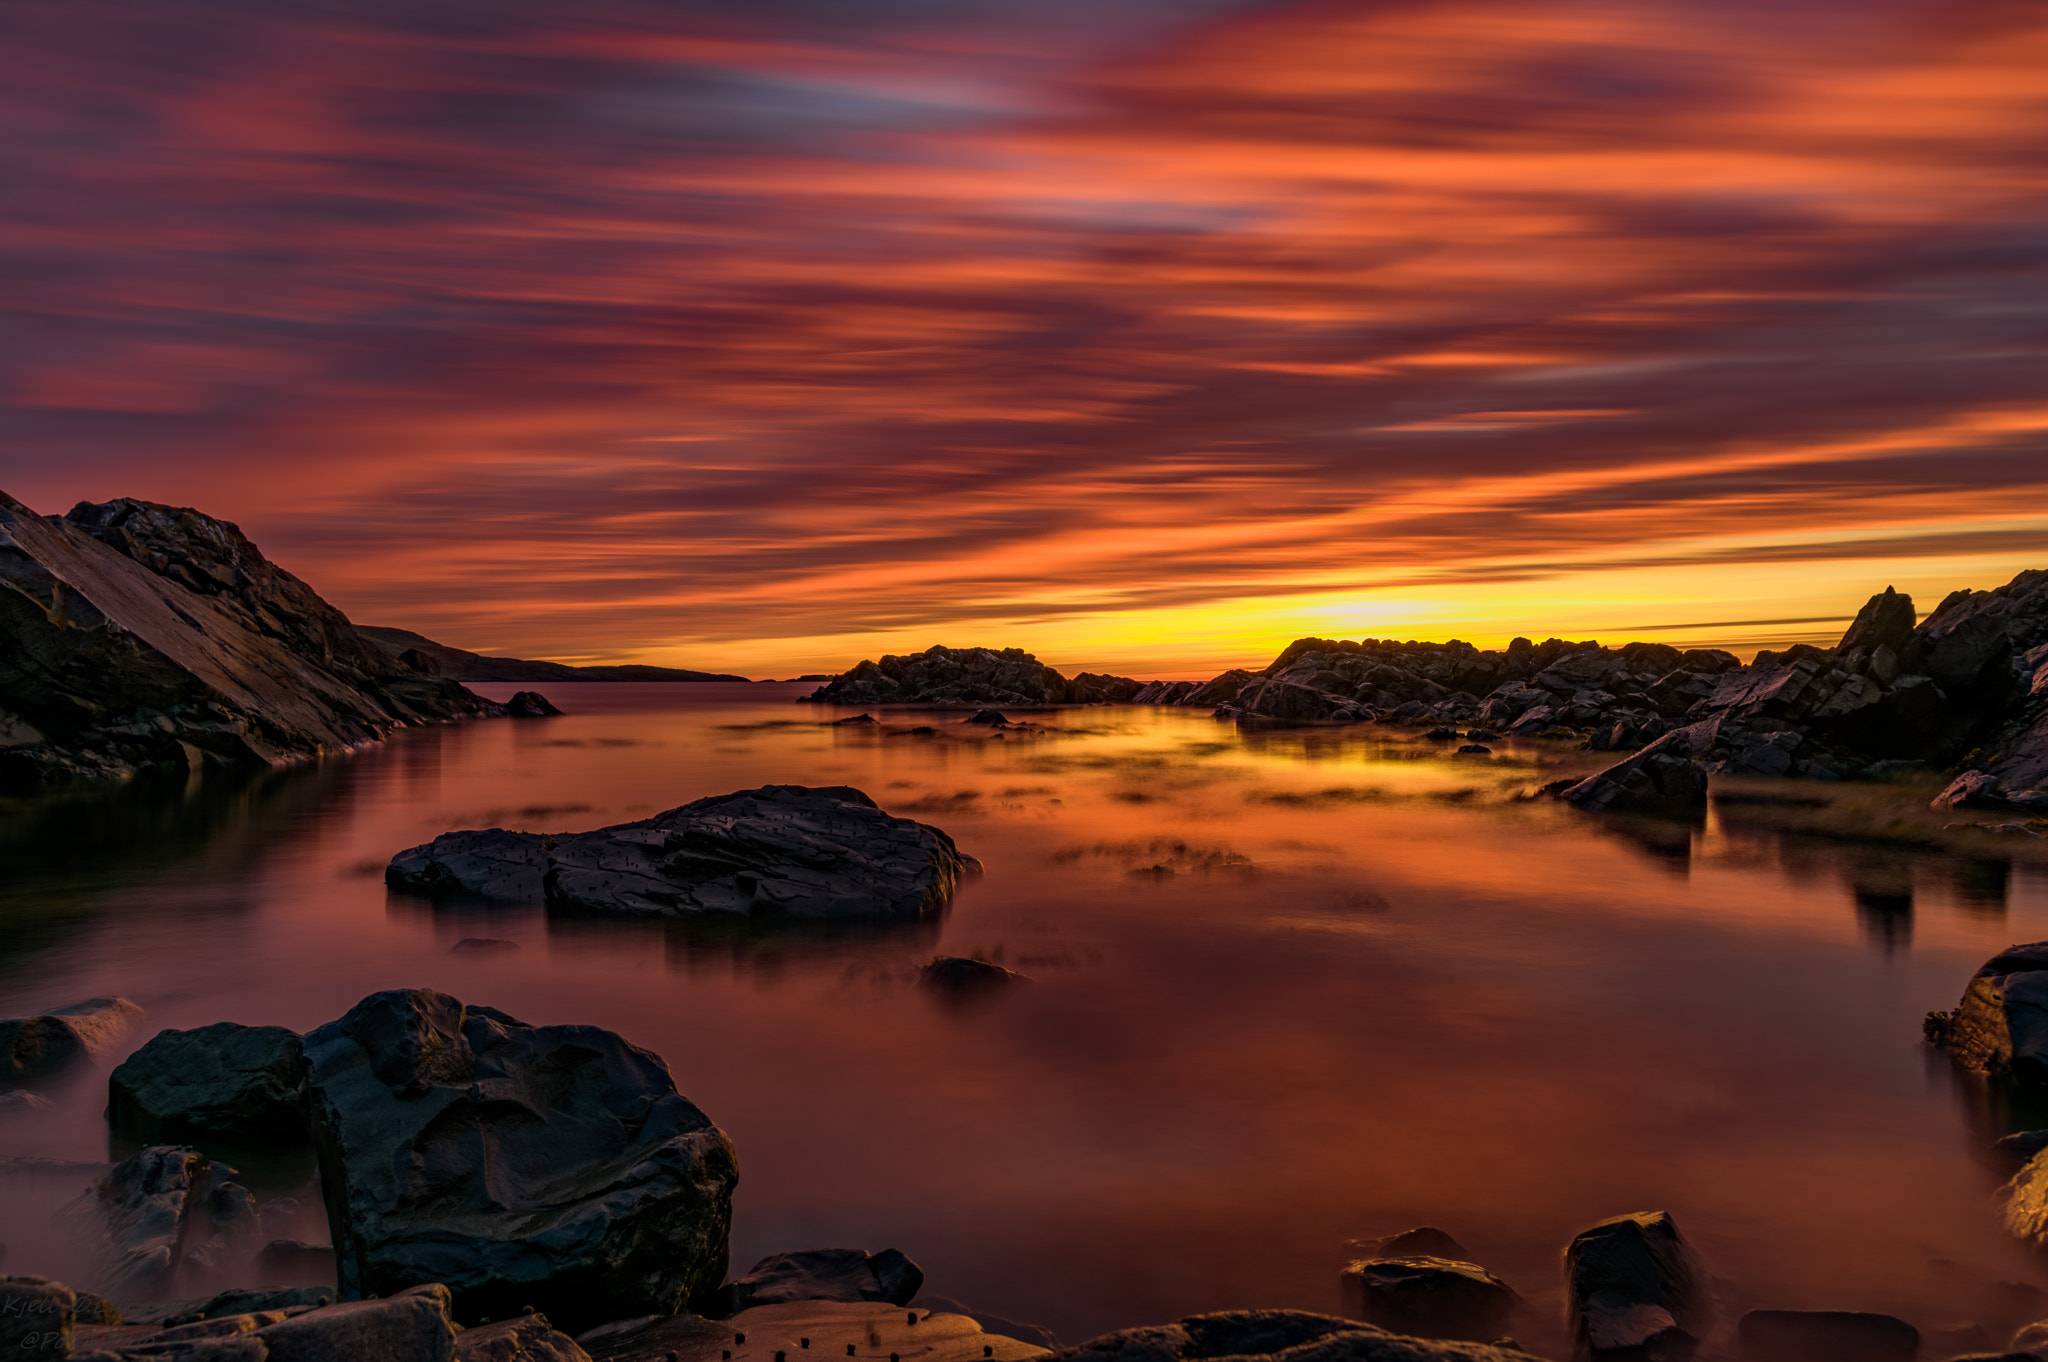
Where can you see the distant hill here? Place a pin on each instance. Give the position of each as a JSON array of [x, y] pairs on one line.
[[460, 665]]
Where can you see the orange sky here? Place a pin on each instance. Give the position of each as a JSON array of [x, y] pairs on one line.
[[1146, 335]]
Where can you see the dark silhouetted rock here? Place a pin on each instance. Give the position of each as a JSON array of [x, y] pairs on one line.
[[1426, 1241], [1301, 1336], [1885, 621], [487, 863], [411, 1326], [35, 1318], [32, 1047], [528, 1338], [151, 636], [552, 1166], [1036, 1335], [967, 676], [2013, 1151], [958, 974], [2000, 1028], [829, 1275], [990, 717], [1473, 749], [1826, 1336], [1665, 779], [223, 1079], [529, 704], [1635, 1291], [1429, 1297]]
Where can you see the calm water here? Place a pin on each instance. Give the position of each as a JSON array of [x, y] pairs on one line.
[[1375, 992]]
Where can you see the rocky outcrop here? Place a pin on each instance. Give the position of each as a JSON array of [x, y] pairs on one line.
[[551, 1166], [969, 676], [1826, 1336], [33, 1047], [223, 1079], [134, 635], [1300, 1336], [1665, 779], [1429, 1297], [1972, 675], [780, 852], [828, 1275], [419, 653], [2000, 1028], [1635, 1290]]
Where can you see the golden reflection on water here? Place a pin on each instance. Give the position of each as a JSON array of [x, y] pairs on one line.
[[1290, 989]]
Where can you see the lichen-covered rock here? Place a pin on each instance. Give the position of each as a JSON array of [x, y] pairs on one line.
[[1635, 1291], [31, 1047], [223, 1079], [779, 852], [2000, 1028], [1296, 1335], [551, 1166], [829, 1275], [1429, 1297]]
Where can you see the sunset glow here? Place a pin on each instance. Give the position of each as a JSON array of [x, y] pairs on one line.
[[1146, 336]]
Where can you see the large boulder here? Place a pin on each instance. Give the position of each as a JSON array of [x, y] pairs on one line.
[[551, 1166], [779, 852], [138, 635], [1635, 1291], [829, 1275], [224, 1079], [1300, 1336], [2000, 1028], [36, 1317], [32, 1047], [1429, 1297], [1665, 779]]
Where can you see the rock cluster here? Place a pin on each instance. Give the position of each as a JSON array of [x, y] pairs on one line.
[[1973, 672], [142, 636], [778, 852], [970, 676]]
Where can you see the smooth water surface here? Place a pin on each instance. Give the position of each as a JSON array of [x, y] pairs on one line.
[[1289, 989]]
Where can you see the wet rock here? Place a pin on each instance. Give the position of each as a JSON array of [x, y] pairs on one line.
[[552, 1166], [36, 1317], [829, 1275], [530, 704], [782, 851], [1826, 1336], [1301, 1336], [528, 1338], [223, 1079], [489, 863], [1429, 1297], [1425, 1241], [957, 974], [989, 717], [412, 1326], [2000, 1028], [1664, 779], [968, 676], [142, 1211], [1635, 1291], [33, 1047], [2013, 1151]]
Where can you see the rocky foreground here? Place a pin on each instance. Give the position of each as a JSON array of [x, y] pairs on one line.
[[135, 636], [502, 1192]]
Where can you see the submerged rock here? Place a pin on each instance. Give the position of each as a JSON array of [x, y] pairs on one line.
[[32, 1047], [552, 1166], [782, 851], [1826, 1336], [829, 1275], [1429, 1297], [530, 704], [223, 1079], [958, 974], [1301, 1336], [1635, 1291]]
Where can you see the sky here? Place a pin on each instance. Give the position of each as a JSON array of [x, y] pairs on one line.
[[1145, 335]]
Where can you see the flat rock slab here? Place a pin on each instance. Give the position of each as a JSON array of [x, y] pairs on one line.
[[874, 1330], [829, 1275], [778, 852]]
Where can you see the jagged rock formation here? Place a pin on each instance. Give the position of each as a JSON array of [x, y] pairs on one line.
[[970, 676], [782, 851], [550, 1166], [1972, 675], [134, 635], [419, 653]]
